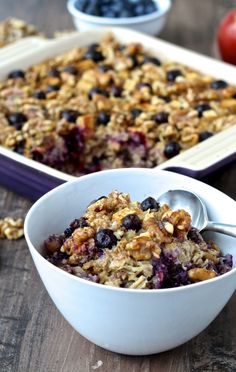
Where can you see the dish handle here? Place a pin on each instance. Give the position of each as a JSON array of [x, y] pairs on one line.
[[211, 153], [25, 49]]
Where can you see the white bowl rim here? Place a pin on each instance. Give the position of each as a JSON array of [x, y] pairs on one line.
[[109, 287], [164, 7]]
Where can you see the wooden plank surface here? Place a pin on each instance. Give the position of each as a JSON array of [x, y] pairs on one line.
[[33, 335]]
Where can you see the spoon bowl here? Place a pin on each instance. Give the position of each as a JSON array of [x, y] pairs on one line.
[[183, 199]]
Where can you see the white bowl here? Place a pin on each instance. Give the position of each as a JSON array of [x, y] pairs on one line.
[[129, 321], [151, 24]]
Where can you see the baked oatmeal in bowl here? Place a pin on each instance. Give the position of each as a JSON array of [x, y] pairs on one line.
[[156, 302], [135, 245]]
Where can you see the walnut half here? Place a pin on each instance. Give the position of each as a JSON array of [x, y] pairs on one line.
[[11, 228], [200, 274]]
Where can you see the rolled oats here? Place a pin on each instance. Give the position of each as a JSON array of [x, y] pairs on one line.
[[13, 29], [107, 245]]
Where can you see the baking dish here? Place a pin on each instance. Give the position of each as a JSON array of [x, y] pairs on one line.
[[32, 179]]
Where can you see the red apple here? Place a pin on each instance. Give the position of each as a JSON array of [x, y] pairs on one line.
[[226, 37]]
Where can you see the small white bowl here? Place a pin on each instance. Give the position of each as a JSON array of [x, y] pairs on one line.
[[129, 321], [150, 24]]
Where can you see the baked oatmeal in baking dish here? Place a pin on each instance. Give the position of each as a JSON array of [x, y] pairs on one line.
[[108, 106], [14, 29], [129, 244]]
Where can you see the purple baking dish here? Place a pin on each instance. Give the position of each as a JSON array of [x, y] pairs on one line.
[[33, 179]]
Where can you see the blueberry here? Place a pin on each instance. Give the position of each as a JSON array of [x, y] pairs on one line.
[[153, 60], [124, 14], [149, 203], [144, 85], [195, 235], [104, 68], [218, 84], [17, 119], [135, 112], [95, 200], [20, 147], [134, 60], [70, 115], [104, 8], [54, 72], [137, 138], [74, 141], [121, 47], [161, 117], [225, 264], [116, 91], [139, 10], [165, 98], [176, 276], [117, 6], [109, 13], [150, 8], [97, 90], [129, 6], [201, 108], [53, 243], [81, 5], [103, 118], [132, 222], [105, 238], [159, 272], [68, 232], [204, 135], [173, 74], [124, 154], [58, 259], [71, 70], [92, 9], [16, 74], [37, 154], [112, 10], [53, 88], [79, 222], [94, 55], [93, 46], [101, 197], [171, 149], [40, 94]]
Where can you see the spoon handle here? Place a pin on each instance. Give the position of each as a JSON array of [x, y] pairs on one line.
[[223, 228]]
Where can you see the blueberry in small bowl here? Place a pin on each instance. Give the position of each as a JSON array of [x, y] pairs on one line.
[[148, 16]]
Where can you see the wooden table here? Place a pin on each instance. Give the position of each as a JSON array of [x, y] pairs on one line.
[[33, 335]]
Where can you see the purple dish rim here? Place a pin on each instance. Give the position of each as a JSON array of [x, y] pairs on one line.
[[32, 179]]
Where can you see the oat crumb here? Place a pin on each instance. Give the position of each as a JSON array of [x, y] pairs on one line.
[[97, 365]]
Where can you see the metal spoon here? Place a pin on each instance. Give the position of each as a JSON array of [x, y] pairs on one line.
[[183, 199]]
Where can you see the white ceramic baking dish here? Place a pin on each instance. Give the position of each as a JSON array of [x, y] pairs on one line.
[[33, 179]]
